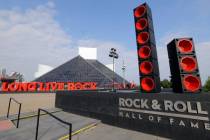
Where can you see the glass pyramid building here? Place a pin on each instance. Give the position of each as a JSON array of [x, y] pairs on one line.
[[79, 69]]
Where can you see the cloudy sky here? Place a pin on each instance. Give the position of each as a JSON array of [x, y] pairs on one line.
[[49, 32]]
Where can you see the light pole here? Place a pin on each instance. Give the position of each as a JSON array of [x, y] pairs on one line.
[[114, 55], [123, 70]]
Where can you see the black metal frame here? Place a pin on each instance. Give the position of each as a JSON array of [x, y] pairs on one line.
[[20, 104], [37, 125]]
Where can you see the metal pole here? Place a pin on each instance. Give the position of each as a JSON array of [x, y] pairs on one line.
[[70, 130], [113, 75], [124, 78], [19, 115], [8, 107], [37, 125], [123, 68]]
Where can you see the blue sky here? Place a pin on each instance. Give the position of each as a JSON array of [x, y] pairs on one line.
[[111, 22]]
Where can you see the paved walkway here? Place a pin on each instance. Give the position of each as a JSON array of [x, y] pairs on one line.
[[49, 129], [108, 132]]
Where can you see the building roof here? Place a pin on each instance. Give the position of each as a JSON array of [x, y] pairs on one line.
[[79, 69]]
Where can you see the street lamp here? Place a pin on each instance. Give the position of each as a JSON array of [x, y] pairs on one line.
[[114, 55], [123, 70]]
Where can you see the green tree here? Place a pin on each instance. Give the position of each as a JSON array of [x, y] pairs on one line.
[[206, 87], [165, 83]]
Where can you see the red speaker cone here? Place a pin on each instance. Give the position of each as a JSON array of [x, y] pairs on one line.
[[185, 46], [140, 11], [144, 52], [191, 83], [188, 64], [147, 84], [143, 37], [141, 24], [146, 67]]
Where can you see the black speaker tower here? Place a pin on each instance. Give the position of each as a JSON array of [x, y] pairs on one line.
[[146, 49], [185, 75]]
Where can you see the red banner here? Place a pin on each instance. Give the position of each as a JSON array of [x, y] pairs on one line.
[[45, 87]]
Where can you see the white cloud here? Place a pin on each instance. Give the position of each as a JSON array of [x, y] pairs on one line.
[[163, 62], [203, 57], [167, 37], [33, 37]]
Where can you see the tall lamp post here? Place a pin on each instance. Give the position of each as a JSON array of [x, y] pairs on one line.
[[114, 55], [123, 70]]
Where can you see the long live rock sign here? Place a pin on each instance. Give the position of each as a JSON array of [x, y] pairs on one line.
[[48, 86]]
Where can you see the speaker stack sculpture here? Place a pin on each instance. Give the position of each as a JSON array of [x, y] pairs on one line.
[[185, 75], [146, 48]]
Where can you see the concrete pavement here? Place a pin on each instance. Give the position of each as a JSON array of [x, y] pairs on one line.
[[108, 132], [49, 129]]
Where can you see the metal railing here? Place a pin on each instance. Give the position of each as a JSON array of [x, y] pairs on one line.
[[37, 125], [20, 104]]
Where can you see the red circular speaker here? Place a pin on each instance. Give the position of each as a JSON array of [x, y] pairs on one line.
[[191, 83], [147, 84], [146, 67], [141, 24], [140, 11], [143, 37], [185, 46], [144, 52], [188, 64]]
